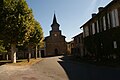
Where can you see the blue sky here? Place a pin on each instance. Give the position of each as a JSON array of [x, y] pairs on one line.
[[71, 14]]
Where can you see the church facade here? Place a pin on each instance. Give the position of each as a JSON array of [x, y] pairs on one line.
[[55, 44]]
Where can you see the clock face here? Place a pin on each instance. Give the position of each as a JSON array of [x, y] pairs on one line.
[[55, 34]]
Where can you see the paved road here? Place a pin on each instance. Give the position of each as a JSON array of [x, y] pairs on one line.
[[58, 68], [83, 71], [47, 69]]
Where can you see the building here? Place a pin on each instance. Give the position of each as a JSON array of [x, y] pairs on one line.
[[70, 47], [55, 44], [78, 49], [102, 32]]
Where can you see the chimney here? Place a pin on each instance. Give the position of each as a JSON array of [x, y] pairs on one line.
[[93, 15], [100, 8]]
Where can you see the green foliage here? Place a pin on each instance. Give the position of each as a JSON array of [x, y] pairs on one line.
[[37, 35], [2, 48], [17, 24], [42, 44], [16, 21], [26, 20]]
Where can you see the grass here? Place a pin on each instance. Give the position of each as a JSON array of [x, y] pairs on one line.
[[21, 62]]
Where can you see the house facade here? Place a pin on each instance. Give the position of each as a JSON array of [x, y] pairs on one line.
[[102, 32], [78, 49], [55, 44], [70, 47]]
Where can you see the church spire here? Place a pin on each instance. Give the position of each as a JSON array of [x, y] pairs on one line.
[[55, 25], [54, 19]]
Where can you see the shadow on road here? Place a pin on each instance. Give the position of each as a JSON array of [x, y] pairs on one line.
[[4, 62], [7, 62], [83, 71]]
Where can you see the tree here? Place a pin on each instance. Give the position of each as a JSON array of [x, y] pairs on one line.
[[2, 48], [36, 36], [16, 23]]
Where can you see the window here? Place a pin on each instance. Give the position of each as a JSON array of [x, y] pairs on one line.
[[86, 31], [116, 17], [97, 27], [115, 44], [108, 18], [104, 23], [113, 18], [93, 28]]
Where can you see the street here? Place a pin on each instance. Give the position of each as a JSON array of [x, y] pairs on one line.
[[58, 68]]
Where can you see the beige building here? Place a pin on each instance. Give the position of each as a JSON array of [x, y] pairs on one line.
[[70, 46], [102, 32], [55, 44], [78, 49]]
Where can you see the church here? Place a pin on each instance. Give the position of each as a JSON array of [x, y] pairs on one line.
[[55, 44]]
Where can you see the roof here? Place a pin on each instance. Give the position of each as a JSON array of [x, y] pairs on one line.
[[78, 35], [111, 3], [55, 20]]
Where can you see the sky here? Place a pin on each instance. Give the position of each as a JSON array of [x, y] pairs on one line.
[[70, 14]]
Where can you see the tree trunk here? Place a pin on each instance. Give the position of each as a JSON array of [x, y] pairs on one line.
[[13, 53], [36, 52], [7, 56], [29, 54], [39, 53]]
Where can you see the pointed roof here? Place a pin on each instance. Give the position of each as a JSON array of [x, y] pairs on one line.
[[54, 19]]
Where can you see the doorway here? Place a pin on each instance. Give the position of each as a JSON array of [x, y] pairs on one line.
[[56, 51], [42, 53]]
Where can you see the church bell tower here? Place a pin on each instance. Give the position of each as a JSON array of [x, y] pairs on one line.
[[55, 43], [55, 27]]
